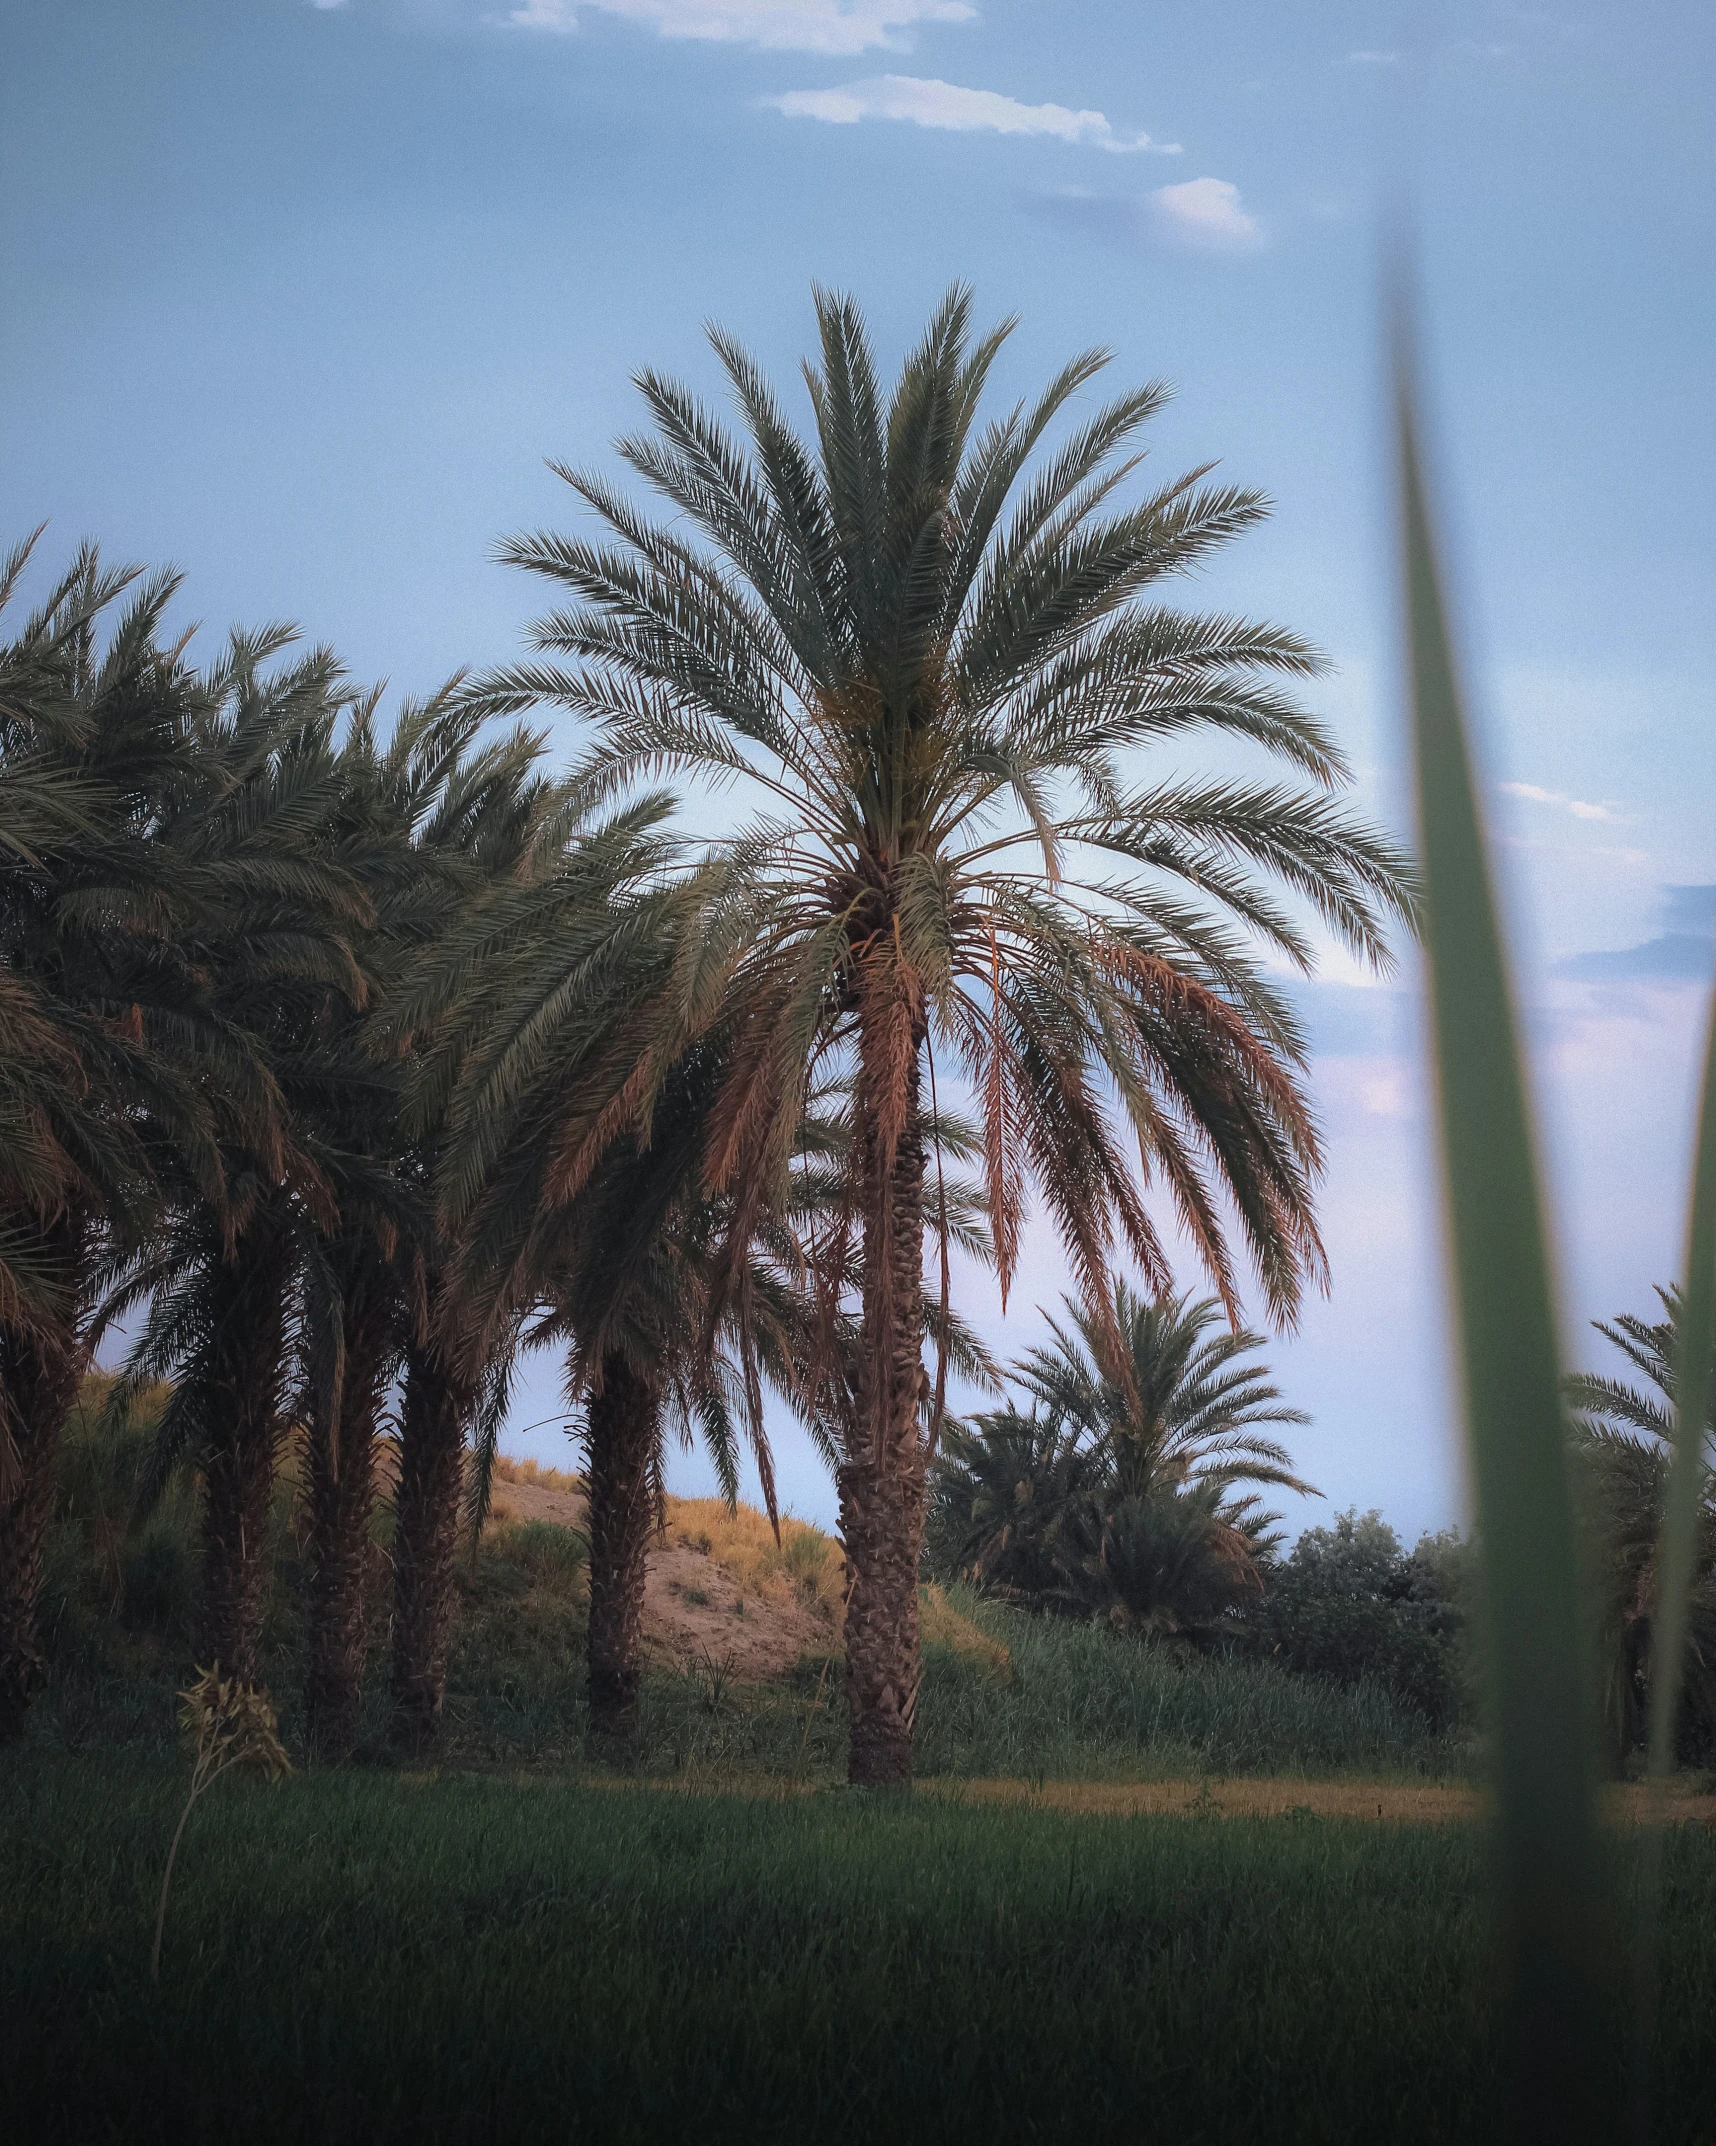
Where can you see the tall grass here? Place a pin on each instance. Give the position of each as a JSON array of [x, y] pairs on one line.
[[1082, 1702], [357, 1957]]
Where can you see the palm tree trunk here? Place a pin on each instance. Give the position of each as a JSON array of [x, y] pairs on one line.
[[426, 1503], [881, 1482], [41, 1374], [623, 1428], [342, 1502], [238, 1468]]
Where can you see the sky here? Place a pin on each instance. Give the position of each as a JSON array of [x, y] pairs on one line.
[[300, 295]]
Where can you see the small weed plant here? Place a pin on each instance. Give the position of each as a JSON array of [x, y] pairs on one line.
[[231, 1728]]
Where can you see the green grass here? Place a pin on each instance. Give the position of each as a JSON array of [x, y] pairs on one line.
[[369, 1957], [1082, 1703]]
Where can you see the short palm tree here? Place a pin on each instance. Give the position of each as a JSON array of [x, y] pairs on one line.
[[934, 672], [1182, 1402], [1623, 1433], [624, 1276], [1116, 1494]]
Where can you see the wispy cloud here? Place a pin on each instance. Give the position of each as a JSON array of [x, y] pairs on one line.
[[929, 103], [327, 6], [1199, 216], [1577, 806], [1684, 952], [839, 27], [1374, 59]]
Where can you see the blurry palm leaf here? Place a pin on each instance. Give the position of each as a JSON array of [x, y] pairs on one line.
[[1550, 1882]]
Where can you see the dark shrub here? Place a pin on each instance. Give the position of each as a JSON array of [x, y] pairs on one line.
[[1349, 1602]]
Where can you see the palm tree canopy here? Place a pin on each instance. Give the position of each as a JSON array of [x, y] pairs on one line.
[[1122, 1490], [1623, 1435], [1185, 1402], [1651, 1347], [930, 650]]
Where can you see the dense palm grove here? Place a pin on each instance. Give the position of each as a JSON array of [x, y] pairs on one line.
[[346, 1055]]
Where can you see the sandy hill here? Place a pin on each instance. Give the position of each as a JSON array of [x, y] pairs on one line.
[[719, 1590]]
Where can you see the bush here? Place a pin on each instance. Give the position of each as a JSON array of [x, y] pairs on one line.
[[1350, 1603]]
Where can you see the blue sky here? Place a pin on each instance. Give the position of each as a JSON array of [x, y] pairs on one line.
[[300, 297]]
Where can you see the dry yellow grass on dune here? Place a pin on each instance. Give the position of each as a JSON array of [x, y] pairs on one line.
[[720, 1588]]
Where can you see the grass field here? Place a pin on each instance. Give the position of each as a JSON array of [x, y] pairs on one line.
[[1138, 1895], [369, 1957]]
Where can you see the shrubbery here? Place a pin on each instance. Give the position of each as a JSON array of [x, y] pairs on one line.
[[1350, 1602]]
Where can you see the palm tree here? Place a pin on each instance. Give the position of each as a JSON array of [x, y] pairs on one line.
[[625, 1272], [101, 1037], [1623, 1433], [223, 1278], [620, 1261], [932, 671], [1116, 1493], [546, 882], [614, 1264], [1183, 1403]]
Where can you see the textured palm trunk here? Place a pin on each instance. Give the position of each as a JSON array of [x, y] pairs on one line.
[[342, 1504], [882, 1480], [239, 1465], [41, 1376], [437, 1407], [624, 1424]]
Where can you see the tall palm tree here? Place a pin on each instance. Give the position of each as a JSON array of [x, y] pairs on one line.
[[102, 1034], [223, 1278], [620, 1261], [544, 880], [1117, 1492], [490, 835], [933, 671]]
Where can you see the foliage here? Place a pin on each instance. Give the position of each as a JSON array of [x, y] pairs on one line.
[[1552, 1884], [1350, 1603], [230, 1728], [1624, 1433], [1115, 1496]]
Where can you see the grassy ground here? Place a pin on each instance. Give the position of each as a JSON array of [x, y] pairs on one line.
[[369, 1957], [510, 1947]]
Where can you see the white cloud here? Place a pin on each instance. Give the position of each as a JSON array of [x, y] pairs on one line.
[[839, 27], [1575, 805], [1206, 213], [928, 103], [1374, 59], [327, 6]]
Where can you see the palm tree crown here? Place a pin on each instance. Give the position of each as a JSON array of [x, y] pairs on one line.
[[1185, 1403], [1117, 1492], [934, 701]]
